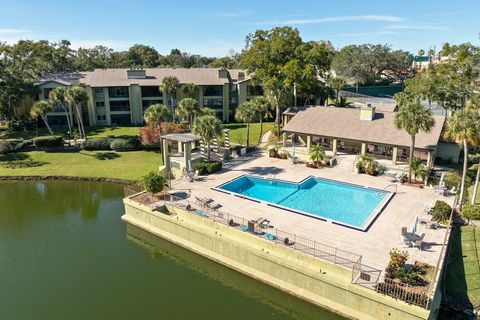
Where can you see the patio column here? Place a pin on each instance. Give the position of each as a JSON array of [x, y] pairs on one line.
[[364, 148], [166, 159], [334, 147], [284, 138], [309, 143], [187, 154], [394, 156], [180, 147], [429, 159]]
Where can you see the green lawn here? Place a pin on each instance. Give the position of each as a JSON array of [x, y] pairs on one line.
[[92, 132], [119, 165], [238, 132], [463, 265]]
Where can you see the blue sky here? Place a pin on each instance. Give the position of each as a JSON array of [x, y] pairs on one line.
[[214, 27]]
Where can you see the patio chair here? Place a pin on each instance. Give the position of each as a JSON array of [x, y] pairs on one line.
[[195, 175], [406, 241], [404, 230], [450, 192], [418, 244], [429, 206]]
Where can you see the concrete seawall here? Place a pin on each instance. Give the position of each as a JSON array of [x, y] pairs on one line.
[[299, 274]]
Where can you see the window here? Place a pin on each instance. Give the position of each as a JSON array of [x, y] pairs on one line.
[[151, 91], [123, 105], [213, 103], [118, 92], [148, 103], [100, 104], [233, 97], [101, 118], [98, 90], [210, 91], [46, 92], [120, 119], [254, 91]]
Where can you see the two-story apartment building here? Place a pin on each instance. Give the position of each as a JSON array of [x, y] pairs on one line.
[[121, 96]]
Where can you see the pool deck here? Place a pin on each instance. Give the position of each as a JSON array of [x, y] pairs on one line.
[[373, 244]]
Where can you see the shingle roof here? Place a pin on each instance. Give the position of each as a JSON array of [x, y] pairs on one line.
[[154, 76], [345, 123]]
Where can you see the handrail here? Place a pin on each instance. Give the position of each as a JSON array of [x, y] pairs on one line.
[[391, 185]]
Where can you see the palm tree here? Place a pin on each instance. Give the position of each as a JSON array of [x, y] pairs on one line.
[[155, 114], [57, 97], [190, 90], [418, 169], [40, 109], [205, 111], [463, 126], [413, 118], [337, 83], [170, 85], [263, 107], [76, 96], [475, 158], [246, 112], [208, 127], [187, 108], [317, 154]]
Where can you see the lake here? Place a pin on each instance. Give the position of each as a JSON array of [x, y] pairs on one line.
[[66, 254]]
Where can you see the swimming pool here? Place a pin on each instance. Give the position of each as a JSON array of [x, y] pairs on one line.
[[342, 203]]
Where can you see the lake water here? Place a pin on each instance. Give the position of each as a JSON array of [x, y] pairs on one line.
[[66, 254]]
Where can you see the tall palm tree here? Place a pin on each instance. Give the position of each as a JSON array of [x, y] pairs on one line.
[[246, 112], [263, 107], [40, 109], [476, 166], [190, 90], [187, 108], [337, 83], [155, 114], [57, 97], [464, 126], [208, 127], [170, 85], [413, 118], [77, 96]]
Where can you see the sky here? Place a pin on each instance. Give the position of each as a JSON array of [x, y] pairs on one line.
[[214, 28]]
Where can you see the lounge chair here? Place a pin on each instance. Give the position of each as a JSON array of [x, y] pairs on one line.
[[214, 206], [429, 206]]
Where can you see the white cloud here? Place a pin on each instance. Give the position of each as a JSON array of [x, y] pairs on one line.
[[333, 19], [418, 27], [233, 14], [12, 31]]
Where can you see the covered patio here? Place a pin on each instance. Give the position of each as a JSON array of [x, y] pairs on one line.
[[357, 131]]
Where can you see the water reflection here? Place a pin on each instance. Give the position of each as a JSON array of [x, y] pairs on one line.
[[159, 248]]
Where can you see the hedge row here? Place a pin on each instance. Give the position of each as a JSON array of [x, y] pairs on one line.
[[111, 144], [207, 167], [49, 141], [7, 146]]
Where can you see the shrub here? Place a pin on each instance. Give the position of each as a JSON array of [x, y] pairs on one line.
[[207, 167], [48, 141], [149, 134], [395, 290], [454, 179], [441, 211], [397, 260], [471, 212], [153, 182], [282, 154], [272, 152], [124, 144], [96, 144], [7, 146]]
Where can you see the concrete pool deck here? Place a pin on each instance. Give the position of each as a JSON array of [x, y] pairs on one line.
[[373, 244]]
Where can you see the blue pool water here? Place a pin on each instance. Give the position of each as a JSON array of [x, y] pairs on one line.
[[345, 203]]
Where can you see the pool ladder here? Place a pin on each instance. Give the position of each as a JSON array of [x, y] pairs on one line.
[[272, 177], [385, 189]]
